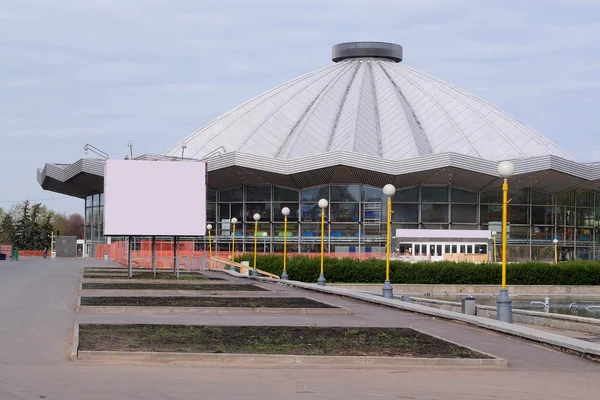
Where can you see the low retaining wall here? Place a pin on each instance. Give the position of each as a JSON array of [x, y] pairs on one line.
[[473, 289], [557, 321]]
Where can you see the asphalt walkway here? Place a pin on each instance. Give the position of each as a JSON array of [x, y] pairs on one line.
[[37, 313]]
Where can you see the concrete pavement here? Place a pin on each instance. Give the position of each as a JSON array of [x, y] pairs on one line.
[[37, 312]]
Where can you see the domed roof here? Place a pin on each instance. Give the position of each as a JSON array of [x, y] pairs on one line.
[[368, 103]]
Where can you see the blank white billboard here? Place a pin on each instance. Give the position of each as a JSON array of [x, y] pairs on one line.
[[154, 198]]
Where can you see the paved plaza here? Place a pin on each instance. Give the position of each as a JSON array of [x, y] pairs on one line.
[[37, 313]]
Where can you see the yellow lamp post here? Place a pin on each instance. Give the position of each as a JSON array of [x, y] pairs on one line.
[[256, 218], [209, 228], [506, 169], [323, 203], [555, 241], [388, 292], [233, 222], [494, 234], [285, 211]]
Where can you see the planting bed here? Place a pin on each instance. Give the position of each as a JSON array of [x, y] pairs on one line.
[[253, 302], [150, 275], [324, 341], [173, 286]]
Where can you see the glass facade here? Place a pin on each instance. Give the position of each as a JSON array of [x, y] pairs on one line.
[[356, 218], [94, 223]]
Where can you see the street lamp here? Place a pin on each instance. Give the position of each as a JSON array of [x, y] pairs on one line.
[[494, 234], [555, 241], [209, 228], [506, 169], [323, 203], [285, 211], [256, 219], [388, 292], [233, 222], [265, 234]]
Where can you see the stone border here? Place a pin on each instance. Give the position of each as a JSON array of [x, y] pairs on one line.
[[277, 359], [210, 310], [530, 317], [586, 349], [158, 281], [163, 282], [167, 293]]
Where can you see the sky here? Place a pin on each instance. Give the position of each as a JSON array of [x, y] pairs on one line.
[[106, 72]]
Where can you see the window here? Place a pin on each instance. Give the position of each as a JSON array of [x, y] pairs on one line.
[[315, 194], [492, 196], [282, 194], [344, 230], [235, 194], [584, 199], [211, 212], [258, 193], [349, 193], [541, 215], [518, 196], [312, 213], [373, 195], [518, 214], [566, 199], [101, 199], [278, 216], [463, 196], [405, 213], [465, 213], [434, 212], [490, 213], [344, 212], [211, 195], [541, 198], [434, 194], [410, 195], [263, 209]]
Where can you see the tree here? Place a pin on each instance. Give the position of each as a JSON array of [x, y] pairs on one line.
[[7, 230], [75, 226]]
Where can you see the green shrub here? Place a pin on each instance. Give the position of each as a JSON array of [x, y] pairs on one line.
[[349, 270]]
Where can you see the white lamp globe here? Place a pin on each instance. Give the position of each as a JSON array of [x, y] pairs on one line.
[[506, 169], [209, 227], [234, 220], [389, 190], [256, 217], [494, 233], [265, 234], [555, 241], [285, 211], [323, 203]]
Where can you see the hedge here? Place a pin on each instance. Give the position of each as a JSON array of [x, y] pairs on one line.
[[349, 270]]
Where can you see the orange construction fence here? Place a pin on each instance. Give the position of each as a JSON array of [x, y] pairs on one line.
[[188, 257]]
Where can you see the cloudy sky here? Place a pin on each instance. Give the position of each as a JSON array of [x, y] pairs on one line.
[[152, 71]]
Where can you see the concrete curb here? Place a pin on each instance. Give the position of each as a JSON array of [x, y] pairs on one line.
[[276, 359], [158, 281], [166, 293], [210, 310], [581, 347], [75, 346]]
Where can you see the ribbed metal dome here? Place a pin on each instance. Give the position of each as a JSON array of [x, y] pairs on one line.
[[374, 106]]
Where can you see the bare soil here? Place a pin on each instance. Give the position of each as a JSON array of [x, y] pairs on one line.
[[174, 286], [150, 275], [176, 301], [297, 340]]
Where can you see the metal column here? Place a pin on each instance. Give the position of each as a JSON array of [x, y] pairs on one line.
[[129, 244], [154, 255], [176, 255]]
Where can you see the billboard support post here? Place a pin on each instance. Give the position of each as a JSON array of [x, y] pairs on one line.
[[129, 244], [154, 255]]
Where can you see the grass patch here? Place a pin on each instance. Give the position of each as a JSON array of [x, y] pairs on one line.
[[175, 301], [298, 340], [173, 286]]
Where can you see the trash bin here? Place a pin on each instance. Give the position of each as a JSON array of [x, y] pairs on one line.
[[15, 254], [469, 306], [105, 257]]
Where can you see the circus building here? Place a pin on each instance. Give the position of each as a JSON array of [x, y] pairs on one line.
[[343, 132]]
